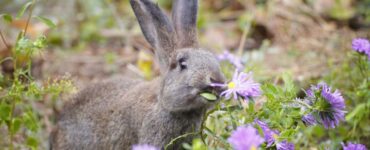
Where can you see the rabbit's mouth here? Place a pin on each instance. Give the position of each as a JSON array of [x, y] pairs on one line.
[[212, 91]]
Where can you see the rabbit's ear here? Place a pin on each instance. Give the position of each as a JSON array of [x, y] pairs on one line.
[[184, 16], [156, 28]]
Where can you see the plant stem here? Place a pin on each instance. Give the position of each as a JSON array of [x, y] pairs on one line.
[[359, 62], [15, 82], [179, 137], [4, 41], [303, 103], [7, 58], [243, 38], [224, 142], [362, 64], [10, 125], [29, 17], [203, 126]]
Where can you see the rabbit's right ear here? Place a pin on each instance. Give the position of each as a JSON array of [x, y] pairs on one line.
[[156, 28], [184, 17]]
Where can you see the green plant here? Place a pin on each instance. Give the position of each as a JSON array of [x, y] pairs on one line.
[[20, 92], [283, 112]]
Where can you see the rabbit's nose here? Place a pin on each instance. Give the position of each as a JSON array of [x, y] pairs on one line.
[[213, 80], [217, 79], [218, 89]]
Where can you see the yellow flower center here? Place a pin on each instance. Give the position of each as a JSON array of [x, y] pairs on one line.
[[253, 147], [275, 136], [231, 85]]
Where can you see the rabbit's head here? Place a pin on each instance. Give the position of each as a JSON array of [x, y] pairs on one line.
[[186, 69]]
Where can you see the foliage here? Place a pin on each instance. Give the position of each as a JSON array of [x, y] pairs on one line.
[[278, 107], [20, 93]]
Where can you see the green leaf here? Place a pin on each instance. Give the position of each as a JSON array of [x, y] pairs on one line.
[[287, 122], [186, 146], [23, 9], [198, 145], [32, 142], [30, 121], [40, 42], [287, 133], [295, 113], [209, 96], [272, 89], [288, 82], [360, 108], [46, 21], [4, 111], [23, 46], [8, 18], [16, 125]]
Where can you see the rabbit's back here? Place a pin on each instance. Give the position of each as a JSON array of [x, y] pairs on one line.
[[105, 115]]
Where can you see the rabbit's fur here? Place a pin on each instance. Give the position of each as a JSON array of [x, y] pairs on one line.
[[119, 113]]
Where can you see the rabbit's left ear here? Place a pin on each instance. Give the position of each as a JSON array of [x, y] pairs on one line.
[[184, 17], [157, 29]]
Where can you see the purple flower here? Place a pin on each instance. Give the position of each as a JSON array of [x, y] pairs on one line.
[[309, 120], [144, 147], [232, 59], [271, 137], [361, 45], [328, 106], [245, 138], [242, 84], [351, 146], [284, 146]]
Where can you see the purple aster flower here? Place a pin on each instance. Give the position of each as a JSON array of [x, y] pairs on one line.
[[144, 147], [329, 106], [284, 146], [245, 138], [309, 120], [271, 137], [361, 45], [351, 146], [242, 84], [232, 59]]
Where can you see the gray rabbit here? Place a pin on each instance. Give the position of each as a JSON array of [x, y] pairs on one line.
[[122, 112]]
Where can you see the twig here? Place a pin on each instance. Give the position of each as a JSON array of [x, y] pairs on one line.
[[5, 59], [243, 38], [4, 41], [246, 30], [29, 17]]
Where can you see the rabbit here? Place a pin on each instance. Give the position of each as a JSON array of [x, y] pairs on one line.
[[121, 112]]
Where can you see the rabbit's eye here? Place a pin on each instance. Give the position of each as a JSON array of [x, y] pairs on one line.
[[182, 64]]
